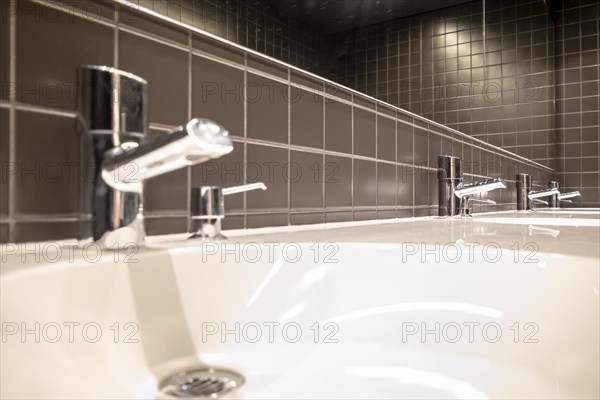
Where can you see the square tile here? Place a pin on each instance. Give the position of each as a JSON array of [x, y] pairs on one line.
[[4, 143], [218, 94], [386, 139], [306, 184], [405, 178], [338, 126], [43, 231], [421, 147], [338, 182], [270, 166], [266, 220], [364, 183], [148, 59], [4, 49], [47, 151], [306, 112], [405, 142], [267, 109], [60, 45], [364, 132], [167, 193], [386, 184]]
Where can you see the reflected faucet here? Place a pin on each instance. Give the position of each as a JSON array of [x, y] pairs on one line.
[[455, 196], [556, 199], [526, 197], [113, 108]]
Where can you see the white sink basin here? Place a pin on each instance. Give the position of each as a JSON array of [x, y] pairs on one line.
[[370, 308]]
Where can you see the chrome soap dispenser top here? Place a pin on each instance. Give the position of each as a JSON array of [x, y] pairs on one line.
[[113, 110]]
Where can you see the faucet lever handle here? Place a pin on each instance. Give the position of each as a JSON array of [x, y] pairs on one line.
[[243, 188], [540, 201]]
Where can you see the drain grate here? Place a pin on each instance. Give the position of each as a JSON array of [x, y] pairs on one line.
[[201, 384]]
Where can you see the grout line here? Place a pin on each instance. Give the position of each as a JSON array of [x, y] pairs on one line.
[[245, 145], [352, 157], [116, 37], [320, 78], [323, 159], [289, 152], [188, 200], [12, 114], [376, 162]]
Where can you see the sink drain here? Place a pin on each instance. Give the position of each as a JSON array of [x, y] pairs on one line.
[[201, 383]]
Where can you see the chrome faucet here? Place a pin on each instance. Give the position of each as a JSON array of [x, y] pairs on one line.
[[556, 199], [114, 119], [208, 209], [455, 196], [526, 196]]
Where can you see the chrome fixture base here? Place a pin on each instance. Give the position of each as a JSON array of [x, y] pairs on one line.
[[207, 209], [114, 124]]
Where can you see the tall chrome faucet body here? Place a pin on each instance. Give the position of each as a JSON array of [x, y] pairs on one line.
[[113, 110], [526, 196], [454, 195]]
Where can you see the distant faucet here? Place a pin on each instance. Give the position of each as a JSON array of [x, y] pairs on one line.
[[113, 108], [454, 195], [526, 196], [556, 199]]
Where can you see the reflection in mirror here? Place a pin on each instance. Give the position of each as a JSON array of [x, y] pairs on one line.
[[484, 67]]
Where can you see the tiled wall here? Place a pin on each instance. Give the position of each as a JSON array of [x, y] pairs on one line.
[[256, 24], [484, 68], [326, 153], [487, 71], [577, 97]]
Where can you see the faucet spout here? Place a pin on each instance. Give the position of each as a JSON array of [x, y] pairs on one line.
[[454, 195], [113, 116], [199, 140], [483, 186], [536, 194]]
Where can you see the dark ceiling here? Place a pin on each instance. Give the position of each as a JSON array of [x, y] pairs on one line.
[[338, 15]]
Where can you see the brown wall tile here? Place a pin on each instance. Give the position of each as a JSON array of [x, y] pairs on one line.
[[217, 94], [364, 132], [365, 184], [4, 143], [405, 176], [48, 160], [386, 139], [167, 193], [270, 166], [67, 43], [338, 127], [306, 110], [263, 220], [4, 49], [386, 184], [148, 59], [306, 180], [43, 231], [267, 109], [338, 182]]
